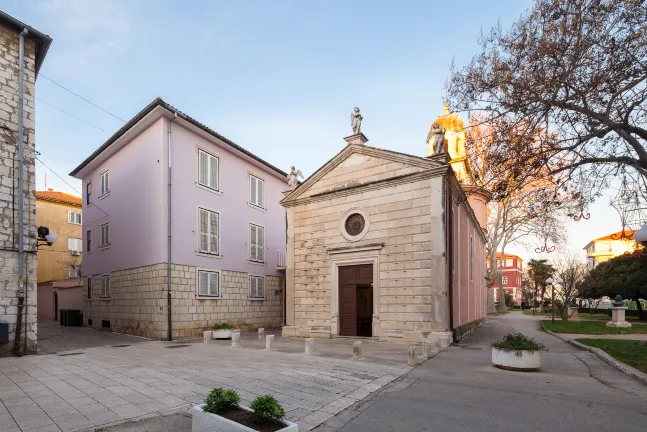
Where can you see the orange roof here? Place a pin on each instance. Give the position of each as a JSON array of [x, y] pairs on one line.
[[629, 235], [498, 255], [60, 197]]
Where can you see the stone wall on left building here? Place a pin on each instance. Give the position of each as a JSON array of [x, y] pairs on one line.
[[9, 162]]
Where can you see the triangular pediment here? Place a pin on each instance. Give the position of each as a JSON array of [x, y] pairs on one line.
[[358, 165]]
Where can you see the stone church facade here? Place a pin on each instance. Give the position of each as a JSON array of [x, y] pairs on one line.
[[384, 245]]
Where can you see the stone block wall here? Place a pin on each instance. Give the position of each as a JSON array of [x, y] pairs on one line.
[[9, 97], [138, 302]]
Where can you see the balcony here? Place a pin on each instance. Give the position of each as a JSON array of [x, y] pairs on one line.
[[281, 262]]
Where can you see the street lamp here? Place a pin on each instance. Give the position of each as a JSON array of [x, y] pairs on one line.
[[549, 282], [641, 235]]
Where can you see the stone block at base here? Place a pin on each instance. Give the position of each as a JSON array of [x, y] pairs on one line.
[[619, 324]]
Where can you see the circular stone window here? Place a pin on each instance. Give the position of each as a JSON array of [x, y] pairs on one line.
[[354, 225]]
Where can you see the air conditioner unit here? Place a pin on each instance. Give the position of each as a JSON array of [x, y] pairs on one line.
[[76, 253]]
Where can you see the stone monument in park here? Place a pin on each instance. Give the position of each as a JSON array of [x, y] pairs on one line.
[[618, 314]]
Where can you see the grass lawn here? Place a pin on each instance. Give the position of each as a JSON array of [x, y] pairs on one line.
[[590, 327], [631, 352], [603, 316], [537, 313]]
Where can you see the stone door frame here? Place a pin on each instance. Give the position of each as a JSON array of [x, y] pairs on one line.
[[350, 257]]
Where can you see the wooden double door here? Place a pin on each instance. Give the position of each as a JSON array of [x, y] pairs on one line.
[[356, 300]]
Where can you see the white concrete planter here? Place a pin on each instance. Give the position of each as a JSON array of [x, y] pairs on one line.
[[206, 422], [221, 334], [528, 361]]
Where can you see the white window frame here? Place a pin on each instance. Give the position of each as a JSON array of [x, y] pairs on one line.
[[106, 237], [249, 290], [76, 241], [211, 159], [105, 183], [210, 274], [72, 272], [88, 241], [208, 252], [255, 183], [88, 288], [504, 280], [88, 194], [105, 287], [72, 217], [509, 263], [253, 247]]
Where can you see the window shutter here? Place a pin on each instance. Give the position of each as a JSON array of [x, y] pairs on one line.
[[204, 233], [260, 287], [252, 190], [213, 181], [202, 168], [260, 192], [213, 284], [107, 182], [260, 232], [213, 233], [203, 283], [252, 243], [252, 286]]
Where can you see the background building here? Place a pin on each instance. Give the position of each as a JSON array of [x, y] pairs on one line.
[[511, 272], [60, 284], [604, 248], [167, 189], [12, 305]]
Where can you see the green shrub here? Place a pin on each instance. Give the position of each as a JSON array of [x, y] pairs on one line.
[[267, 409], [223, 326], [517, 342], [220, 400]]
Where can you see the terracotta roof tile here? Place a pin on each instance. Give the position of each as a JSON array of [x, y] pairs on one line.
[[61, 197]]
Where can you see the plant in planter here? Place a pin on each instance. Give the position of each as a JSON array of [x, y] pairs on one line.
[[221, 412], [221, 331], [517, 352]]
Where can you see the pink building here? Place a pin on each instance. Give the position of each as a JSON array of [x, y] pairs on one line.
[[511, 269], [167, 189]]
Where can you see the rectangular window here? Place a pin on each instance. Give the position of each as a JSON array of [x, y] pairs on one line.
[[105, 235], [88, 193], [105, 182], [504, 280], [256, 243], [208, 170], [208, 283], [209, 231], [74, 217], [88, 241], [257, 287], [256, 191], [74, 245], [105, 285], [89, 287], [72, 271], [518, 263], [509, 263]]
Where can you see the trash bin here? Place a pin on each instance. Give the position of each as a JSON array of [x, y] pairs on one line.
[[4, 331], [62, 315], [74, 317]]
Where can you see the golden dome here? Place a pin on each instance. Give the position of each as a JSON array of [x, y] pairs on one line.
[[449, 120]]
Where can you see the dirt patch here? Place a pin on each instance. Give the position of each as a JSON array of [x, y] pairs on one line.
[[246, 418]]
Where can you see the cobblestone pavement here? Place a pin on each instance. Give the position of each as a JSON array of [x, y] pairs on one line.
[[79, 390], [53, 338]]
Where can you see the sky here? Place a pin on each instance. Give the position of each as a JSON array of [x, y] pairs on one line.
[[279, 78]]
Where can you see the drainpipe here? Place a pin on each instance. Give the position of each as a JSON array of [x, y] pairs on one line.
[[169, 335], [21, 199]]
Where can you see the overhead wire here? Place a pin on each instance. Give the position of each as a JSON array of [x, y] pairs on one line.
[[71, 115]]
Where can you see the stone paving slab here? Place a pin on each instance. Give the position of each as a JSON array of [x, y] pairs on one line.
[[106, 385]]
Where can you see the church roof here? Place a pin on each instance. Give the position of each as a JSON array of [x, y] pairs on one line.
[[449, 120]]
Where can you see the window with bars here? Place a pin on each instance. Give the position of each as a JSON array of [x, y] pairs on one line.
[[73, 271], [208, 170], [105, 234], [209, 231], [105, 182], [74, 217], [105, 285], [257, 287], [256, 243], [256, 192], [88, 241], [89, 287], [208, 283], [74, 244]]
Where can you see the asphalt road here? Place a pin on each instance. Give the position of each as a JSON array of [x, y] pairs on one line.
[[459, 390]]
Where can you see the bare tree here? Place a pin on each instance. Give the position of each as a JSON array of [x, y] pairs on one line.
[[577, 69], [570, 272]]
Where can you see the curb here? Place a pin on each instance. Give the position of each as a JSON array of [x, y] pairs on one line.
[[622, 367]]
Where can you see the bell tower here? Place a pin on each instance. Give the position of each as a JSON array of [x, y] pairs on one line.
[[454, 128]]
